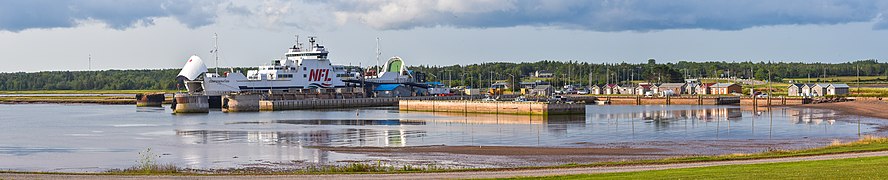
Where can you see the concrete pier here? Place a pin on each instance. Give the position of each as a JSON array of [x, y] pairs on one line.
[[187, 103], [277, 105], [149, 99], [241, 102], [252, 102], [491, 107]]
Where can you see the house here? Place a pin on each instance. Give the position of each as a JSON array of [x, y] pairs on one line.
[[704, 88], [806, 90], [595, 89], [725, 88], [542, 74], [838, 89], [611, 89], [643, 88], [542, 90], [655, 89], [794, 90], [691, 87], [392, 90], [819, 89], [671, 88], [628, 89]]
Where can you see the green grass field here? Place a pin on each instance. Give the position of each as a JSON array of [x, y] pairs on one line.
[[855, 168]]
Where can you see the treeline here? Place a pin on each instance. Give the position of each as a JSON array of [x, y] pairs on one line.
[[571, 72], [574, 72], [90, 80]]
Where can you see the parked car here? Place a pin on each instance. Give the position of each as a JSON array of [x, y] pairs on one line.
[[559, 99], [583, 92], [520, 99]]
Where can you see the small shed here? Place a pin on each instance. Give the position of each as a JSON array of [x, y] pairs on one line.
[[794, 90], [806, 90], [819, 89], [725, 88], [642, 89], [838, 89], [676, 88], [691, 87], [595, 89], [704, 88], [611, 89], [542, 90], [628, 89]]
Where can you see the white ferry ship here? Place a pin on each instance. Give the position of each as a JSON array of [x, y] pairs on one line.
[[303, 67]]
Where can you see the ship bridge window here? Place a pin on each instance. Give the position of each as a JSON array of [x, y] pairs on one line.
[[285, 76]]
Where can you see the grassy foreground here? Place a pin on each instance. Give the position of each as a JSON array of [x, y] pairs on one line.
[[865, 144], [854, 168]]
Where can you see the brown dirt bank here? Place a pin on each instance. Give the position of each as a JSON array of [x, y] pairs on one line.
[[500, 150], [870, 108]]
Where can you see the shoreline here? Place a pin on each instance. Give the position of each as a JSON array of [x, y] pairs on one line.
[[503, 150]]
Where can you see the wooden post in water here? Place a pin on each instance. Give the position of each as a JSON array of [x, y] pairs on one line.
[[754, 101], [668, 100]]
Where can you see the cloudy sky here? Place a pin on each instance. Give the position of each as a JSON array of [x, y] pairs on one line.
[[39, 35]]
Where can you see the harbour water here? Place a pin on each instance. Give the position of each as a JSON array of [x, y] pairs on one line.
[[88, 137]]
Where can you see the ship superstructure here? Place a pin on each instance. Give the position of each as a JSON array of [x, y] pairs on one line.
[[300, 68]]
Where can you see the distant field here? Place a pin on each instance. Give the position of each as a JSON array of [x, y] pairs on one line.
[[85, 91], [846, 79]]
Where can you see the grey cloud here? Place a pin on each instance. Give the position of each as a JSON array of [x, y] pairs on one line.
[[609, 15], [18, 15]]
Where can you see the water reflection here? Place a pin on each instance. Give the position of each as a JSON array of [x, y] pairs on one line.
[[113, 135], [811, 116], [344, 137], [344, 122]]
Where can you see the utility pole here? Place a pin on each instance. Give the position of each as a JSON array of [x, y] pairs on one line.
[[858, 79], [752, 79], [607, 75], [377, 57], [769, 84], [89, 63]]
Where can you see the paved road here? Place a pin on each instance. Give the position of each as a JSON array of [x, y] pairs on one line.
[[463, 175]]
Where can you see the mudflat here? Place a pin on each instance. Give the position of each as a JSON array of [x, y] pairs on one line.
[[870, 108]]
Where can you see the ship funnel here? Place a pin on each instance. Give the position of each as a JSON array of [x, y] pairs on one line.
[[193, 68]]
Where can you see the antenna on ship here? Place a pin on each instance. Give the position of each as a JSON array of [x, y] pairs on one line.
[[215, 50]]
